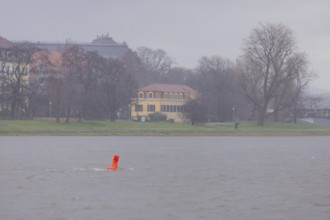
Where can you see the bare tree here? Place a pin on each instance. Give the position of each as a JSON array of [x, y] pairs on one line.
[[90, 104], [155, 65], [16, 67], [114, 82], [86, 85], [195, 111], [177, 75], [134, 67], [269, 68], [55, 78], [215, 80], [73, 63], [299, 66], [312, 101]]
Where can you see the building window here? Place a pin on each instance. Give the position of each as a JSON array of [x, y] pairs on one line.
[[172, 108], [141, 95], [165, 95], [181, 96], [151, 108], [138, 108], [171, 96], [176, 95], [150, 95]]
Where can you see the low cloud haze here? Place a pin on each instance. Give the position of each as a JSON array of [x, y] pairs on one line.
[[186, 30]]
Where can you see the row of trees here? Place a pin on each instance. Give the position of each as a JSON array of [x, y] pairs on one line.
[[85, 85], [265, 81]]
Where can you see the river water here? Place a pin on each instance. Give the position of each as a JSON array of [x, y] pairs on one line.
[[165, 178]]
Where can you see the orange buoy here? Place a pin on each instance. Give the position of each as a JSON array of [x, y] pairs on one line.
[[114, 163]]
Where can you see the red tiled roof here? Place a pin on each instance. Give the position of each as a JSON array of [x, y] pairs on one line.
[[4, 43], [167, 88], [55, 58]]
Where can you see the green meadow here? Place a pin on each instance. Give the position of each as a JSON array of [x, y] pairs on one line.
[[129, 128]]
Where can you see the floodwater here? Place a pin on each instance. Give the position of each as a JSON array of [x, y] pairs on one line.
[[165, 178]]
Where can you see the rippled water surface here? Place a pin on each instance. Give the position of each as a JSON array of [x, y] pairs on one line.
[[165, 178]]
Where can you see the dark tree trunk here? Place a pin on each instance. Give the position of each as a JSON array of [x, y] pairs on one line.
[[68, 114], [261, 117], [79, 116]]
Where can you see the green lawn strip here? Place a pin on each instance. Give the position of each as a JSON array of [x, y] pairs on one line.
[[127, 128]]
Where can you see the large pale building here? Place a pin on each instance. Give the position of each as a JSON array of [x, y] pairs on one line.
[[4, 70], [14, 77], [167, 99], [104, 45]]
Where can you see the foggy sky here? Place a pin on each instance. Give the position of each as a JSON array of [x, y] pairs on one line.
[[185, 29]]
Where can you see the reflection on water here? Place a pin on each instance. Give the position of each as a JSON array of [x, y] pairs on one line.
[[165, 178]]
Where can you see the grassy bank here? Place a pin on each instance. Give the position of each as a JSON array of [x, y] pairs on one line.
[[126, 128]]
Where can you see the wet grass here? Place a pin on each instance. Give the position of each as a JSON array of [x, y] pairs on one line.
[[128, 128]]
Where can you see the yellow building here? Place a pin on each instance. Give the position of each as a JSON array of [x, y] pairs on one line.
[[167, 99]]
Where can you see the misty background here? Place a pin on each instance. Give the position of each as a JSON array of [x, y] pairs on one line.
[[186, 30]]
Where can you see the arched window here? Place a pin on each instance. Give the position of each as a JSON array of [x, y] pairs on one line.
[[150, 95], [175, 95], [141, 96]]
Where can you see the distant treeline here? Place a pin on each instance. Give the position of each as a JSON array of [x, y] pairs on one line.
[[266, 81]]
